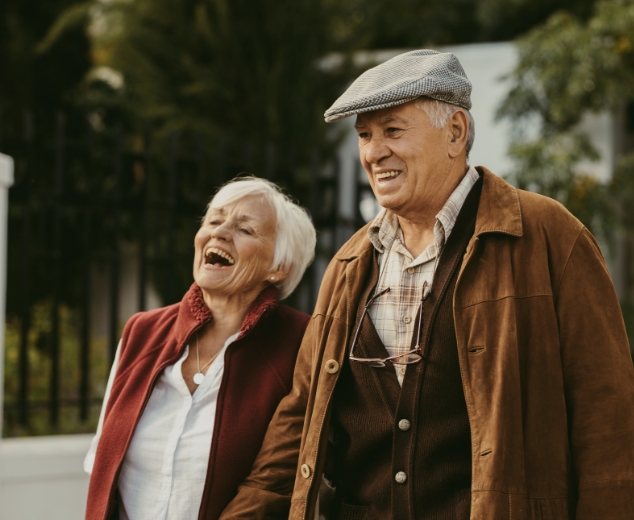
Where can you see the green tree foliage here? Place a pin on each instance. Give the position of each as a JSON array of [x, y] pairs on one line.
[[241, 70], [43, 82], [382, 24], [568, 67]]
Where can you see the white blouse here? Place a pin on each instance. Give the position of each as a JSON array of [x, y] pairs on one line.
[[164, 470]]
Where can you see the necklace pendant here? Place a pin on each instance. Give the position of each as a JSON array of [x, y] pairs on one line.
[[198, 378]]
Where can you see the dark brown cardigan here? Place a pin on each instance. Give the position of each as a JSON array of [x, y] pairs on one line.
[[434, 451]]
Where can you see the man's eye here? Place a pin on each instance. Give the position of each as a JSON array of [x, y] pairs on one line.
[[392, 130], [364, 135]]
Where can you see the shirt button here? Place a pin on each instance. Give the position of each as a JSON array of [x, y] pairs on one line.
[[410, 270], [407, 319], [331, 366], [305, 470], [400, 477], [404, 425]]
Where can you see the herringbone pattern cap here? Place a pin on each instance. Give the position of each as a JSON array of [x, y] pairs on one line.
[[405, 77]]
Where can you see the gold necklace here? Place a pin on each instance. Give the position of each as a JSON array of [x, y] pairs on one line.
[[199, 376]]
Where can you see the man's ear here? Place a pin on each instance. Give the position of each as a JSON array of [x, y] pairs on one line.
[[458, 133]]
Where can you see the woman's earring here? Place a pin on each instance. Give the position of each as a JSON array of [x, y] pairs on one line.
[[272, 277]]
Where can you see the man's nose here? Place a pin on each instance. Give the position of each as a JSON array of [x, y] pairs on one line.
[[376, 150]]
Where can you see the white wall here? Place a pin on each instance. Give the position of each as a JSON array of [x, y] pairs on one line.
[[41, 478]]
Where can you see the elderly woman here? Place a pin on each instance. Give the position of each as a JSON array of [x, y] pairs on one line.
[[195, 384]]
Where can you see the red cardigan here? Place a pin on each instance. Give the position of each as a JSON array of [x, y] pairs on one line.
[[257, 375]]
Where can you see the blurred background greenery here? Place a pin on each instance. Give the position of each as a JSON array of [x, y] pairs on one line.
[[253, 72]]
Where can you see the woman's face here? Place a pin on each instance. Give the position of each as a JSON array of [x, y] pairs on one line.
[[235, 247]]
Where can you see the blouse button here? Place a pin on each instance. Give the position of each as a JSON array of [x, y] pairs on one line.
[[331, 366], [305, 470], [410, 270], [407, 319]]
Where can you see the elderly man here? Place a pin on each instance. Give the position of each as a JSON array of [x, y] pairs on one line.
[[467, 357]]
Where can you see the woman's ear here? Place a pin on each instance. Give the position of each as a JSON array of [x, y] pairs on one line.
[[458, 126], [278, 275]]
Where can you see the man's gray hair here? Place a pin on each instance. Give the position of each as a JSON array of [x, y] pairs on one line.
[[438, 113], [295, 236]]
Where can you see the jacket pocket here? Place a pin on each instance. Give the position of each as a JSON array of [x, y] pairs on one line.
[[548, 509], [348, 512]]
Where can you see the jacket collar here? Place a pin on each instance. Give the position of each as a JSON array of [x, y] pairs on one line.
[[499, 212], [194, 313]]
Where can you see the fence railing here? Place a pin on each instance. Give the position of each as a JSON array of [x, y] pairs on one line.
[[83, 193]]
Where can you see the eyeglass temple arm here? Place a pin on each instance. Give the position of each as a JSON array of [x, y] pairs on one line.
[[365, 310]]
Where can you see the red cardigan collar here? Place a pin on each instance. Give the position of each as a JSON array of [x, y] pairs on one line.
[[194, 313]]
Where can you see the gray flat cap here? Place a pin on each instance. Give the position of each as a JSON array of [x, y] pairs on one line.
[[437, 75]]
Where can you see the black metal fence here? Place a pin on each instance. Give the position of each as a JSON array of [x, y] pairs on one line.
[[82, 190]]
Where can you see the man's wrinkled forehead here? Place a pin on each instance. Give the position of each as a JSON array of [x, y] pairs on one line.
[[382, 117]]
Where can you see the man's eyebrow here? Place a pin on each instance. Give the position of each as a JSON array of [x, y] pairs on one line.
[[383, 121], [390, 119]]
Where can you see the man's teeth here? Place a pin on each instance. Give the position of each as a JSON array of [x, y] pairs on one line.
[[385, 175], [215, 251]]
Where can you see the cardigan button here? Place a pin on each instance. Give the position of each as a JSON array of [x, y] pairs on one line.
[[331, 366], [404, 425], [305, 470], [400, 477]]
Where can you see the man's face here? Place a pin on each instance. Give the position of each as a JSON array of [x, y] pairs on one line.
[[406, 159]]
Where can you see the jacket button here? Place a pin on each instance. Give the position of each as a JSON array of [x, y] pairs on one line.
[[331, 366], [410, 270], [407, 319], [404, 425], [400, 477], [305, 470]]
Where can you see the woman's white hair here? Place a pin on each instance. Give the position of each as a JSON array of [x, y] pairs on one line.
[[438, 113], [295, 236]]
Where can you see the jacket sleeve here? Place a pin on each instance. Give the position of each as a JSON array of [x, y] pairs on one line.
[[599, 385], [266, 493]]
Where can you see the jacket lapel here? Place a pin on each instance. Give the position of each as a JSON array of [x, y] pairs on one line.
[[499, 210]]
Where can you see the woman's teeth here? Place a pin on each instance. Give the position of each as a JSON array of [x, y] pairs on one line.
[[386, 175], [214, 251]]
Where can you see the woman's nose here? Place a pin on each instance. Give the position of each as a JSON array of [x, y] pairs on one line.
[[221, 232]]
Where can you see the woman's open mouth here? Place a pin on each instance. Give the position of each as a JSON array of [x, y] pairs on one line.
[[218, 258]]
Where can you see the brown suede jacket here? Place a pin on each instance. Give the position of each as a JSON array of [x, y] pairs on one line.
[[546, 370]]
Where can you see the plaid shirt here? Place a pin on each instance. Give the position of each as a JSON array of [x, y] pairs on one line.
[[394, 314]]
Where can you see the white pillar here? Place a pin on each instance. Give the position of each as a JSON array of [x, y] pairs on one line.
[[6, 181]]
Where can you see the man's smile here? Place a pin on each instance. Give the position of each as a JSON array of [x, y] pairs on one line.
[[388, 175]]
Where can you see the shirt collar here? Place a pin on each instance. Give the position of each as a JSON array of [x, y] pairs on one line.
[[385, 226]]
